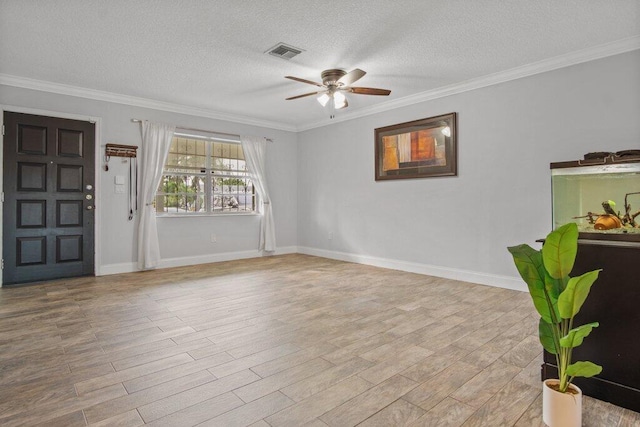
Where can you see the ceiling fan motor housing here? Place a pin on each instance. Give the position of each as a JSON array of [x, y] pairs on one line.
[[331, 77]]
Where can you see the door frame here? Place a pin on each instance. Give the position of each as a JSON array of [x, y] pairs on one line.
[[97, 121]]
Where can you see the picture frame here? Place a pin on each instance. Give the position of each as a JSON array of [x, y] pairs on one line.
[[422, 148]]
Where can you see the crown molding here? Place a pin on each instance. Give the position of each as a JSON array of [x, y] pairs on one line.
[[562, 61], [557, 62], [99, 95]]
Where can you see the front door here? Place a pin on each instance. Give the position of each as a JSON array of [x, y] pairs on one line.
[[48, 212]]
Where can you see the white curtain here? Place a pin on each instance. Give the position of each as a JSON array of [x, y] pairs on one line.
[[254, 149], [156, 139]]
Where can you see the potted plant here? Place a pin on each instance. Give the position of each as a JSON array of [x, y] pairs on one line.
[[558, 298]]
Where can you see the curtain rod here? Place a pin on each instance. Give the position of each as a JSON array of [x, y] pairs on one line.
[[203, 130]]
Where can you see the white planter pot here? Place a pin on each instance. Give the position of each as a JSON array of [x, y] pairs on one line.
[[561, 409]]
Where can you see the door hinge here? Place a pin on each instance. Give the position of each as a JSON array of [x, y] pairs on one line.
[[2, 197], [2, 130], [2, 264]]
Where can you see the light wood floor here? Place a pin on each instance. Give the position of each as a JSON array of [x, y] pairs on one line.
[[280, 341]]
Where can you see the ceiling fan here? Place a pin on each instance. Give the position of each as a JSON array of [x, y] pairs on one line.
[[334, 83]]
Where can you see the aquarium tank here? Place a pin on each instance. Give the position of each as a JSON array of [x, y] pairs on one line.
[[602, 196]]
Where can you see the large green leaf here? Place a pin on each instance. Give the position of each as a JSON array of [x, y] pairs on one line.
[[559, 250], [575, 336], [528, 261], [553, 287], [583, 369], [546, 336], [572, 298]]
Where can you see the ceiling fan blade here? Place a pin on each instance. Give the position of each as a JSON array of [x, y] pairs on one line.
[[351, 77], [302, 96], [369, 91], [298, 79]]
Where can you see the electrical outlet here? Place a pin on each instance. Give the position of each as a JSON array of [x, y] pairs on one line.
[[214, 238], [119, 189]]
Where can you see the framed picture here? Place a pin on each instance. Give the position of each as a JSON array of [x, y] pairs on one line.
[[419, 149]]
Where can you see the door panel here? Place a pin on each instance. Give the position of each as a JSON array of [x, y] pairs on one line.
[[48, 223]]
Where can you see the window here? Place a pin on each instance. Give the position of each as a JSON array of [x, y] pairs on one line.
[[204, 176]]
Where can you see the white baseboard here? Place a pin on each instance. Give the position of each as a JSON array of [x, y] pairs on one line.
[[130, 267], [123, 267], [506, 282], [430, 270]]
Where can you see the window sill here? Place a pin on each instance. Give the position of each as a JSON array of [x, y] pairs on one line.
[[207, 215]]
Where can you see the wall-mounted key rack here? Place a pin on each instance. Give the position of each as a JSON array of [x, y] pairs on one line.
[[119, 150]]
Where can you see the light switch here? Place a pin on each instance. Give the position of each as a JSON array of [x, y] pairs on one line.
[[119, 179]]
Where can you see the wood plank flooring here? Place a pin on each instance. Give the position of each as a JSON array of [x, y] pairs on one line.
[[289, 340]]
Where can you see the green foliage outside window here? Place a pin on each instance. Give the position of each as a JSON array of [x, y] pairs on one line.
[[204, 176]]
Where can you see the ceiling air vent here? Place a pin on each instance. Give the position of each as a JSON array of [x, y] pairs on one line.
[[284, 51]]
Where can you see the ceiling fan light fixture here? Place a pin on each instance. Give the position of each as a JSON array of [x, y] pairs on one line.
[[339, 100], [323, 99]]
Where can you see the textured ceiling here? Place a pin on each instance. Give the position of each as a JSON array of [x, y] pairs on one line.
[[209, 54]]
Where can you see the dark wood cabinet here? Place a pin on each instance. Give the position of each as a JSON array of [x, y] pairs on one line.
[[614, 301]]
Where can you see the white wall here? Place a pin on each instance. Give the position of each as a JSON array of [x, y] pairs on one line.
[[459, 227], [182, 240], [323, 185]]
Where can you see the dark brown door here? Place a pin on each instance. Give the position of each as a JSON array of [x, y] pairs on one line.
[[48, 215]]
